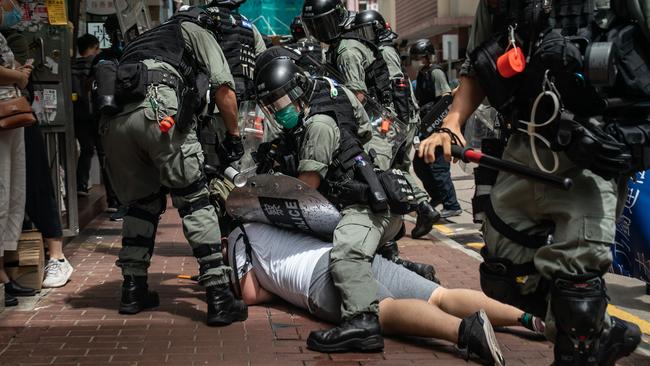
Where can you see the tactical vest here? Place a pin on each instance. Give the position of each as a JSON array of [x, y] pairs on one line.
[[166, 43], [341, 170], [425, 91], [237, 41], [377, 76]]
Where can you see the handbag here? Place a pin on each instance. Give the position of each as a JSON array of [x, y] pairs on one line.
[[16, 113]]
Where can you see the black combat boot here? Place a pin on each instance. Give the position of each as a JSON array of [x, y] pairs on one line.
[[359, 333], [223, 307], [620, 341], [136, 295], [427, 216], [476, 338], [390, 251]]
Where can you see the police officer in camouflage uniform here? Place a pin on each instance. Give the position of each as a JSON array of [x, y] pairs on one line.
[[367, 74], [324, 129], [165, 73], [546, 248], [240, 42], [431, 86]]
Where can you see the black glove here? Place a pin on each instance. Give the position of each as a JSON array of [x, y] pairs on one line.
[[231, 149]]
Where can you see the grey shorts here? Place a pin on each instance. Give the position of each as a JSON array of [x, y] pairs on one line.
[[393, 281]]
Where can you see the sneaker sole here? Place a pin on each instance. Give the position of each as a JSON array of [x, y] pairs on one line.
[[495, 350], [370, 344]]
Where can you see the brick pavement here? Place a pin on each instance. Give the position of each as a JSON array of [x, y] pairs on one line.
[[79, 325]]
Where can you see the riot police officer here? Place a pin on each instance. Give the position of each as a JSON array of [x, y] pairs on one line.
[[546, 248], [324, 129], [364, 71], [160, 86], [240, 42], [431, 86], [372, 26]]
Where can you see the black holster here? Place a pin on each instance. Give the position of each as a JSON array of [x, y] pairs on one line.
[[402, 98], [104, 88]]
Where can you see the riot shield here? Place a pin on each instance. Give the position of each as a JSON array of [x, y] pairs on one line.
[[386, 127], [251, 127], [286, 202], [134, 18]]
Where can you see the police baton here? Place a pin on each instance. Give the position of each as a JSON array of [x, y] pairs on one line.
[[475, 156]]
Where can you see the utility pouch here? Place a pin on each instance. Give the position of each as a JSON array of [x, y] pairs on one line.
[[191, 100], [104, 88], [401, 198], [402, 98], [131, 83], [637, 139], [500, 91]]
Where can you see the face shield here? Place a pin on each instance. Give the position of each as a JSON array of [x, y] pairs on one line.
[[326, 27], [284, 105], [367, 32]]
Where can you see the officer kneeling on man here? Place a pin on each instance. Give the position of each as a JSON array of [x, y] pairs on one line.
[[322, 143]]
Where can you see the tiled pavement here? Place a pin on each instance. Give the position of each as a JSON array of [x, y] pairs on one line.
[[79, 325]]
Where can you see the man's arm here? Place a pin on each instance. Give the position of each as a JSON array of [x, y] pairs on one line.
[[226, 100], [252, 292], [321, 139], [260, 46], [207, 51], [467, 99], [350, 63], [440, 82]]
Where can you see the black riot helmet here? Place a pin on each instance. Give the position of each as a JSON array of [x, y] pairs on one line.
[[372, 26], [297, 30], [422, 48], [230, 4], [323, 19], [283, 91]]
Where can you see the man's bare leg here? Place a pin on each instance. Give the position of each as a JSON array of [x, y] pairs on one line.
[[463, 302], [417, 318], [55, 247]]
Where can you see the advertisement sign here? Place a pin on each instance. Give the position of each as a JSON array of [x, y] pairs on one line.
[[631, 249], [272, 17]]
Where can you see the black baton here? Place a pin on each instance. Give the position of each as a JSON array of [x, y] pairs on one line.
[[475, 156]]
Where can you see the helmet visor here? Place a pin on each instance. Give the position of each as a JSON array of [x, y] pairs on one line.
[[324, 28], [367, 32], [277, 103]]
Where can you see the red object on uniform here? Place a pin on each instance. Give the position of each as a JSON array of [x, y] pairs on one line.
[[385, 126], [166, 124], [511, 63]]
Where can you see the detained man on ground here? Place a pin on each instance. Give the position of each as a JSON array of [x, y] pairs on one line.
[[295, 267]]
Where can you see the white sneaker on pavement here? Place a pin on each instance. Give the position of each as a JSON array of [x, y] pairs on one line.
[[57, 273]]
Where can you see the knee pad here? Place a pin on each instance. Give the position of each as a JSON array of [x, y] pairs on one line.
[[499, 281], [578, 304]]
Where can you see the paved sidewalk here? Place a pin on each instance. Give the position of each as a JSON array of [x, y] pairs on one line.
[[79, 324]]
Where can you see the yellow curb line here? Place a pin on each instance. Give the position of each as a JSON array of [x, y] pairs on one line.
[[620, 313], [477, 246], [443, 229]]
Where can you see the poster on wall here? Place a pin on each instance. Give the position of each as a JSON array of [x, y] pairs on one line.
[[56, 12], [631, 249], [272, 17]]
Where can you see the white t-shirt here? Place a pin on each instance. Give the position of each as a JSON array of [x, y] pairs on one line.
[[284, 261]]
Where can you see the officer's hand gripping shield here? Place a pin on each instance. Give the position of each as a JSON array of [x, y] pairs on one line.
[[286, 202]]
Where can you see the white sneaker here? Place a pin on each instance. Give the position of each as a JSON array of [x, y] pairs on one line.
[[57, 273]]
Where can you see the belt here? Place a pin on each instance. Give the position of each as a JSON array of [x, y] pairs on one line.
[[157, 77]]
